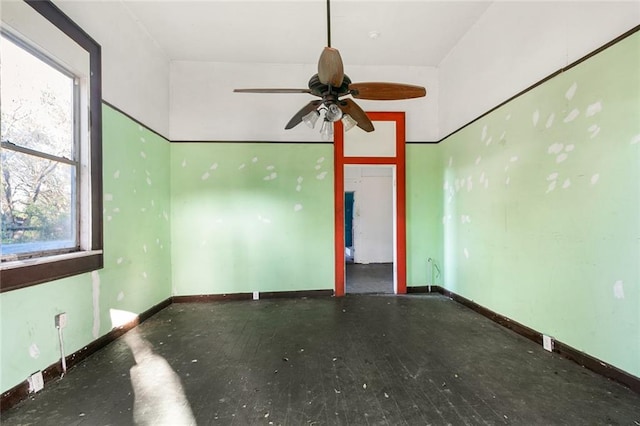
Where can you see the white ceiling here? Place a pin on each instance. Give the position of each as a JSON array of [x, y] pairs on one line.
[[411, 33]]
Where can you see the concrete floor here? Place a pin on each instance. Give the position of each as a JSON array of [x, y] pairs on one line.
[[369, 278], [356, 360]]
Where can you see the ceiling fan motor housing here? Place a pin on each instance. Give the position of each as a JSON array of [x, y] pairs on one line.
[[319, 89]]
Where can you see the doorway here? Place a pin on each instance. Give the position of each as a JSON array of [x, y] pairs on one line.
[[383, 147], [369, 228]]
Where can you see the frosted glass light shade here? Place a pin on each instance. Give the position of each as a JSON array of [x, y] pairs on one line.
[[326, 131], [348, 122], [333, 114], [311, 118]]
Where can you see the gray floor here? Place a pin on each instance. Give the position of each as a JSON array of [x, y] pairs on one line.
[[356, 360], [369, 278]]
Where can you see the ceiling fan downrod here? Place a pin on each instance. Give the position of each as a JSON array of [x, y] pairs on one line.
[[328, 24]]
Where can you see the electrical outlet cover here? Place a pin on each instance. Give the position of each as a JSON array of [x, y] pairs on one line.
[[61, 320], [256, 295], [547, 342], [36, 382]]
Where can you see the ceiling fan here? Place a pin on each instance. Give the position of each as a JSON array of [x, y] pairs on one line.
[[333, 86]]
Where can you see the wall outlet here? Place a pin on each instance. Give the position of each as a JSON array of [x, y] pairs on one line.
[[256, 295], [61, 320], [36, 382], [547, 342]]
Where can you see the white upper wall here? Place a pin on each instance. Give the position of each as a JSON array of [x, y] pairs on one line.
[[516, 44], [135, 71], [204, 107]]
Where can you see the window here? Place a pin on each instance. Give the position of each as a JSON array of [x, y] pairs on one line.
[[51, 171]]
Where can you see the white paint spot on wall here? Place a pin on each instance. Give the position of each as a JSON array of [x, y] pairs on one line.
[[116, 210], [466, 252], [550, 119], [594, 108], [571, 91], [143, 140], [469, 184], [465, 219], [254, 160], [34, 351], [143, 209], [551, 186], [321, 176], [298, 188], [450, 161], [165, 215], [486, 183], [635, 140], [553, 176], [482, 176], [109, 218], [297, 207], [144, 275], [318, 167], [478, 160], [569, 147], [120, 296], [149, 181], [555, 148], [213, 166], [300, 179], [143, 154], [488, 142], [484, 132], [119, 260], [320, 160], [140, 128], [508, 117], [618, 290], [95, 286], [506, 168], [535, 118], [513, 159], [595, 178], [108, 197], [271, 167], [184, 162], [205, 176], [561, 157], [566, 184], [241, 166], [572, 115], [116, 174], [507, 180], [144, 248], [273, 175], [594, 129]]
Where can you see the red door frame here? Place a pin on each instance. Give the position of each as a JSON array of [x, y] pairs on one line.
[[339, 161]]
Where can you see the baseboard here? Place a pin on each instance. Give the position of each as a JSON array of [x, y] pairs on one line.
[[203, 298], [575, 355], [20, 392]]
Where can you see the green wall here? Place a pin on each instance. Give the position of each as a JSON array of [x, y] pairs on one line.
[[424, 213], [542, 208], [251, 217], [137, 250]]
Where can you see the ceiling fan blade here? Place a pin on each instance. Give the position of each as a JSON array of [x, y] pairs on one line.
[[330, 67], [297, 119], [386, 91], [272, 90], [348, 106]]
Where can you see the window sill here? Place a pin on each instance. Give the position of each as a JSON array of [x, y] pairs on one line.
[[24, 273]]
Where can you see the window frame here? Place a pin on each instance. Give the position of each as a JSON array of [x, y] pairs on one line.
[[24, 273]]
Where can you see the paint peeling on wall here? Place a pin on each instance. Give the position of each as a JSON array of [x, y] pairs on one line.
[[567, 214]]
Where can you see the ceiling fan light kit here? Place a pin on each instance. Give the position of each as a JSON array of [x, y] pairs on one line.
[[333, 87]]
